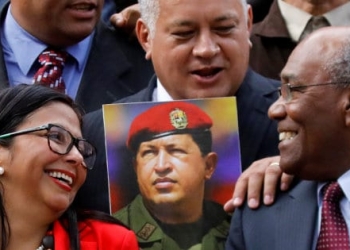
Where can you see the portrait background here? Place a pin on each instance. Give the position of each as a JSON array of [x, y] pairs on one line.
[[122, 178]]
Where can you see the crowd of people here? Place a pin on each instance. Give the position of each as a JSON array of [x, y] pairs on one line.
[[288, 70]]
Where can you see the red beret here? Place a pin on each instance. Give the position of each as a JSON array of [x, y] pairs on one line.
[[169, 118]]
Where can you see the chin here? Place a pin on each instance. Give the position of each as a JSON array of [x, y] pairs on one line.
[[164, 199], [59, 205]]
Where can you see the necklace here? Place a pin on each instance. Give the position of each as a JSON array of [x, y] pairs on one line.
[[47, 243]]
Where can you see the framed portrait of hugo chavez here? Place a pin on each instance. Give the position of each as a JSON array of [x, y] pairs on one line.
[[171, 162], [122, 176]]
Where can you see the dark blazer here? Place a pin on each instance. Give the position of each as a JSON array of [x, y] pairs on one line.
[[116, 68], [272, 44], [288, 224], [258, 134]]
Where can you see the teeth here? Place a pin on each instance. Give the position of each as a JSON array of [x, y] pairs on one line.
[[61, 176], [83, 7], [287, 135]]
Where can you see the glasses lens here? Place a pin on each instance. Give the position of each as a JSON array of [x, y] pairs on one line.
[[60, 141], [88, 153]]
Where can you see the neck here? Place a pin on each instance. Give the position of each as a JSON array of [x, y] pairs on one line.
[[316, 7], [26, 237], [26, 229]]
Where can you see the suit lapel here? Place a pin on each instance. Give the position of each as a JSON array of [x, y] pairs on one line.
[[273, 25], [253, 103], [98, 79], [297, 228]]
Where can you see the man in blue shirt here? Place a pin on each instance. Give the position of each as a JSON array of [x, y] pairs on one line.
[[103, 64]]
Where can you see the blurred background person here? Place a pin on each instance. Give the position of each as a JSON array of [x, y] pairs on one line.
[[287, 23], [96, 64]]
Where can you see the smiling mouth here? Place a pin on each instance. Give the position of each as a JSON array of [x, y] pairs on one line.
[[61, 177], [287, 135], [83, 7]]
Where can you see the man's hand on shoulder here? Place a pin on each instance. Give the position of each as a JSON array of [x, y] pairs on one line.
[[264, 174]]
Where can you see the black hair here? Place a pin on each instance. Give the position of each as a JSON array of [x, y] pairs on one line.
[[17, 103]]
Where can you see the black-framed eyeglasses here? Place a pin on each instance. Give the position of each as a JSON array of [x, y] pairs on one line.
[[286, 89], [61, 142]]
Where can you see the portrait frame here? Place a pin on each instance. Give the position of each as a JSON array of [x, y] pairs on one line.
[[122, 179]]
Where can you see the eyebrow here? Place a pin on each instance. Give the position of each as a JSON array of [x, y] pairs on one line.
[[226, 17], [219, 19]]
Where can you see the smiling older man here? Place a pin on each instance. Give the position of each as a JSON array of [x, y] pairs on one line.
[[313, 114], [204, 54]]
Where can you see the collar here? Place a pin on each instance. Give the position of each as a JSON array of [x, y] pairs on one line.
[[148, 230], [19, 42], [344, 182], [296, 19], [160, 94]]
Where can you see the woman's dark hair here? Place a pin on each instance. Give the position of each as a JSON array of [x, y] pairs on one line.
[[16, 104]]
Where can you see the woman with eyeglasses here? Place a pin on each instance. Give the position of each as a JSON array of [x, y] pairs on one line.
[[43, 162]]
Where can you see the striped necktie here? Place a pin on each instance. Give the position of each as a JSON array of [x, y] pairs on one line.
[[50, 72]]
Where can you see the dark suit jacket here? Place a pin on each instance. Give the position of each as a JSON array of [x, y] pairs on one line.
[[116, 68], [260, 9], [288, 224], [258, 134], [272, 44]]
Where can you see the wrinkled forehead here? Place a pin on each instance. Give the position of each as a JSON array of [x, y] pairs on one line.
[[206, 7], [309, 60]]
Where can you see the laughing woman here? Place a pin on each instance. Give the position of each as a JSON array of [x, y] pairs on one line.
[[43, 163]]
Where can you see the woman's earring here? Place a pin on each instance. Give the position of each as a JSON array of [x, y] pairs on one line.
[[2, 170]]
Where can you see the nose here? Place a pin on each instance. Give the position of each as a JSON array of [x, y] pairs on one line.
[[74, 157], [277, 110], [163, 163], [206, 46]]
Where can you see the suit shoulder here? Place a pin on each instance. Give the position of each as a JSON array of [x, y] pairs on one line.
[[140, 96], [93, 119]]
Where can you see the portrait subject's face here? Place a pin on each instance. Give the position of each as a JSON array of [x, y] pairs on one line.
[[200, 47], [171, 170]]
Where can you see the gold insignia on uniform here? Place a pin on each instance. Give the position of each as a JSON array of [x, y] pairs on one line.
[[178, 118], [146, 231]]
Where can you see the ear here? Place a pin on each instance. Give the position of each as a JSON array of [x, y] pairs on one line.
[[4, 157], [144, 37], [249, 23], [346, 108], [211, 160], [249, 17]]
